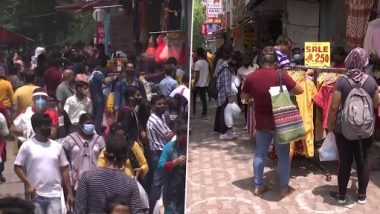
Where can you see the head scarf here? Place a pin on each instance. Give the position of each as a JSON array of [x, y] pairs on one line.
[[356, 61]]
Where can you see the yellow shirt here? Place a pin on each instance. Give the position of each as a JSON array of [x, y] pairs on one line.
[[6, 93], [110, 102], [23, 97], [128, 170]]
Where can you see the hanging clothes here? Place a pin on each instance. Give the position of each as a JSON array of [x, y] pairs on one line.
[[305, 105], [150, 52], [325, 95], [357, 21], [164, 56], [319, 131], [372, 38], [160, 47]]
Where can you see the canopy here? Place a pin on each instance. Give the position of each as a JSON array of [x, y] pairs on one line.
[[85, 5], [8, 37]]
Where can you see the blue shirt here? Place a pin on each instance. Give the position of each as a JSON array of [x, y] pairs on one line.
[[120, 88], [96, 87], [167, 85]]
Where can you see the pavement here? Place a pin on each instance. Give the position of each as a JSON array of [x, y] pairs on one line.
[[220, 178], [13, 187]]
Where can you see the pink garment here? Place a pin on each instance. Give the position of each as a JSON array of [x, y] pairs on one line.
[[357, 20], [324, 100], [165, 51], [150, 52], [372, 38], [81, 77], [160, 47]]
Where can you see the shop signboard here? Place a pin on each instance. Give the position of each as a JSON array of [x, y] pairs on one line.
[[213, 9], [317, 54], [212, 27], [204, 29]]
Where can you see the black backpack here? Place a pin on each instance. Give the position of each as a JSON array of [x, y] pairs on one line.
[[212, 87]]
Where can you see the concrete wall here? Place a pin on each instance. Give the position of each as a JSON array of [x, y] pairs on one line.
[[302, 22], [122, 37]]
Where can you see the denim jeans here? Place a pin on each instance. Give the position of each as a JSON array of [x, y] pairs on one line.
[[98, 108], [157, 182], [47, 205], [263, 141]]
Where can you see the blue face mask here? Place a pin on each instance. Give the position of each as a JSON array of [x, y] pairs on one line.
[[88, 129], [40, 103]]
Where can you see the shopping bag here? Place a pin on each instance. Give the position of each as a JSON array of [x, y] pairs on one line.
[[231, 113], [143, 196], [287, 118], [328, 150]]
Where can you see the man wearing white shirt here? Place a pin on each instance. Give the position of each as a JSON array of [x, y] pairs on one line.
[[42, 166], [247, 68], [79, 103], [183, 88], [201, 70]]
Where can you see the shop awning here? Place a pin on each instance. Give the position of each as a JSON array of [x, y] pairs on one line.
[[85, 5], [8, 37], [253, 3], [265, 5]]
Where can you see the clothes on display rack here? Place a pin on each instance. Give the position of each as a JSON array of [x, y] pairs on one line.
[[305, 105], [151, 50], [357, 21], [372, 38], [160, 46], [325, 87]]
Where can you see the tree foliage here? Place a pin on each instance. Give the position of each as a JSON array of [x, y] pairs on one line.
[[198, 19], [38, 20]]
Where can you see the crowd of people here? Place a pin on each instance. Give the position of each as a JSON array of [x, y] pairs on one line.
[[94, 138], [246, 78]]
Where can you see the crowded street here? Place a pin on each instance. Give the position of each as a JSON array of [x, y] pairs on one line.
[[220, 178]]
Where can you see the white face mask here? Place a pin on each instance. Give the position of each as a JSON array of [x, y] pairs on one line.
[[173, 116]]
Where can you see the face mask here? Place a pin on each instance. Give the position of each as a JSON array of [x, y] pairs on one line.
[[160, 110], [88, 129], [46, 132], [137, 100], [173, 116], [297, 57], [40, 103]]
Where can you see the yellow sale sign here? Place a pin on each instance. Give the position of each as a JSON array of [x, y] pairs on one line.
[[317, 54]]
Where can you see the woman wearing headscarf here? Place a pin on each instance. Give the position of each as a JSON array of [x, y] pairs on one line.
[[355, 63]]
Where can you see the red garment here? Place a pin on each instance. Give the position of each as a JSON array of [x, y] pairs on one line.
[[52, 78], [257, 85], [53, 114], [324, 100], [357, 21], [160, 47]]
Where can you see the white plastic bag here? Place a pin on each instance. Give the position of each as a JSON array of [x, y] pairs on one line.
[[231, 113], [143, 196], [235, 84], [328, 150]]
